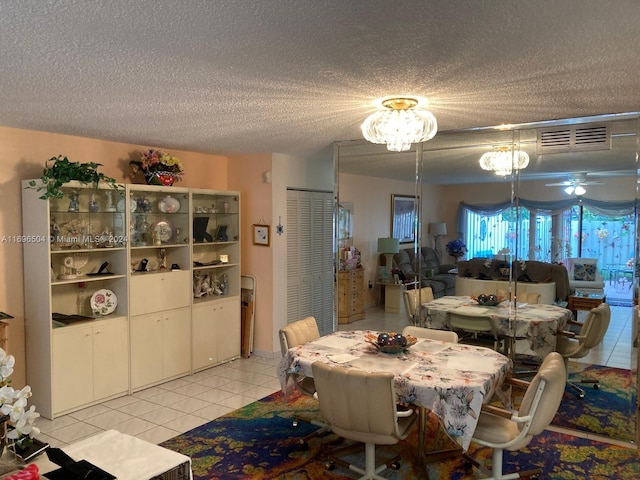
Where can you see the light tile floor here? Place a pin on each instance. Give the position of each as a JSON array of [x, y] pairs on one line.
[[164, 411]]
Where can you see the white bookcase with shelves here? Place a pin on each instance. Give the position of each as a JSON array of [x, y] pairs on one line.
[[159, 283], [76, 296], [114, 294], [216, 277]]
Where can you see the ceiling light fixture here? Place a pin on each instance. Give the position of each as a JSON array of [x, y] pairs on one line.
[[577, 189], [400, 124], [504, 159]]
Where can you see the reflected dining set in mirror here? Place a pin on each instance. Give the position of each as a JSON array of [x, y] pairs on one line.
[[449, 379], [537, 323]]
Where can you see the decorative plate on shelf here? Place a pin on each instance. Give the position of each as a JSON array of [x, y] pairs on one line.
[[103, 302], [121, 205], [169, 204], [163, 231]]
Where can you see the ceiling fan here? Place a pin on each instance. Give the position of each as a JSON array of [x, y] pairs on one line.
[[575, 184]]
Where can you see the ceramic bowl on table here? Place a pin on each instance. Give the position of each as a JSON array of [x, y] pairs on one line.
[[488, 300], [391, 342]]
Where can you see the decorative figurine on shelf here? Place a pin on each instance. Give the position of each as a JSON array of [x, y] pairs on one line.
[[225, 206], [109, 207], [94, 207], [224, 284], [74, 204], [162, 259]]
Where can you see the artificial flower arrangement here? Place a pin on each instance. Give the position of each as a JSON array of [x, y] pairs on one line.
[[154, 161], [456, 248], [13, 404]]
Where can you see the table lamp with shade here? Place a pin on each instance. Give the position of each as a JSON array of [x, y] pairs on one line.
[[438, 230], [388, 246]]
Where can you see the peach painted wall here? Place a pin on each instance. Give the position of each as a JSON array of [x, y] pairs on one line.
[[246, 174], [23, 154]]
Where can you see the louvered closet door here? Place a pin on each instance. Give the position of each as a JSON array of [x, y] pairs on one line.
[[310, 257]]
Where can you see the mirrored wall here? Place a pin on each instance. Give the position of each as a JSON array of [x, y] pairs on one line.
[[551, 223]]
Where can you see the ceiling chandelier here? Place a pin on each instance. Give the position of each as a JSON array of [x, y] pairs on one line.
[[400, 124], [504, 159]]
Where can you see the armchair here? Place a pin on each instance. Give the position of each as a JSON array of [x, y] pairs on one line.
[[584, 275], [361, 406], [501, 429]]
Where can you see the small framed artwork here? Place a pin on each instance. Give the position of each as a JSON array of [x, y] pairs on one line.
[[404, 212], [261, 235]]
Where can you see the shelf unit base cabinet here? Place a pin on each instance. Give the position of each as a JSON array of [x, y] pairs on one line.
[[350, 301], [90, 364], [215, 332], [160, 347]]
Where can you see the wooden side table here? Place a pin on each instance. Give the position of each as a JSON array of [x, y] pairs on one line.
[[584, 301]]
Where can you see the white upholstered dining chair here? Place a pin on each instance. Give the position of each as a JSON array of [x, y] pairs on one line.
[[292, 335], [361, 406], [475, 325], [412, 300], [431, 334], [578, 345], [505, 430]]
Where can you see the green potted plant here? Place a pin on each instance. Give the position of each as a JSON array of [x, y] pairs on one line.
[[59, 170]]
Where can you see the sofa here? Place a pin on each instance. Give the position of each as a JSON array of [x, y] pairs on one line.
[[427, 269], [534, 272]]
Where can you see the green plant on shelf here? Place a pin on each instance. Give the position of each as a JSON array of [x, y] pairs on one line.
[[59, 170]]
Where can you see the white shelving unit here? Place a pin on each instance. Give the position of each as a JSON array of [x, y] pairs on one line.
[[216, 277], [64, 240], [151, 240]]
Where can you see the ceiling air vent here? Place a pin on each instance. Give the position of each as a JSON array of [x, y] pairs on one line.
[[574, 138]]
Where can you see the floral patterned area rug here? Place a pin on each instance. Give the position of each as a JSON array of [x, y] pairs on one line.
[[607, 411], [259, 441]]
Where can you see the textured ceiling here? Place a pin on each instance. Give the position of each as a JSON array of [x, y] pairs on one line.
[[293, 76]]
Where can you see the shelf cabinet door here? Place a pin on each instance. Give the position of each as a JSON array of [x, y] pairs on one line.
[[160, 345], [176, 343], [228, 329], [146, 349], [110, 359], [72, 368], [204, 336], [216, 332], [158, 292]]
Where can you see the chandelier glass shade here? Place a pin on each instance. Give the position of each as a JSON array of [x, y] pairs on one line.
[[400, 124], [503, 160]]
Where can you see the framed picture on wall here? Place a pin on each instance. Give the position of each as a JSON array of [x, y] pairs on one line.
[[404, 214], [261, 234]]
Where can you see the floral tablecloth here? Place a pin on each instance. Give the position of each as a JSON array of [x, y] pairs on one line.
[[452, 380], [538, 323]]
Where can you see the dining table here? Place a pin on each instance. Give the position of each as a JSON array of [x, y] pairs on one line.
[[537, 323], [451, 380]]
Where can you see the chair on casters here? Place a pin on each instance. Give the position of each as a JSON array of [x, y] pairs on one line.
[[361, 406], [431, 334], [292, 335], [412, 298], [475, 325], [501, 429], [577, 345]]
